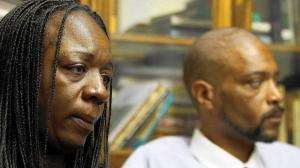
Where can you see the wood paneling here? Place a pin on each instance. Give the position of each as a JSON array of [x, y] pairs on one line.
[[232, 13], [106, 9]]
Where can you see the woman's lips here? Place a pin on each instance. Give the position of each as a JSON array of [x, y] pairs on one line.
[[84, 126]]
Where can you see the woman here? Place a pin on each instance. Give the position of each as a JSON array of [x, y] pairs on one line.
[[54, 84]]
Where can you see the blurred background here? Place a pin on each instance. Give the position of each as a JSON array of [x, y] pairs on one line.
[[150, 39]]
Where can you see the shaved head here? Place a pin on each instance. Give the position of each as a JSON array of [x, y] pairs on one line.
[[210, 55], [232, 78]]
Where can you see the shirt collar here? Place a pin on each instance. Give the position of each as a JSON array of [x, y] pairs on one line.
[[213, 156]]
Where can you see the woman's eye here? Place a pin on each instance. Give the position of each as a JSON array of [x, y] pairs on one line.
[[106, 80], [77, 69]]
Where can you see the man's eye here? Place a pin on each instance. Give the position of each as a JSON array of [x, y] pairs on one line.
[[255, 83], [77, 69], [277, 82]]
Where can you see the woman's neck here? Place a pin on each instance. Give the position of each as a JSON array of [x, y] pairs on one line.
[[55, 161]]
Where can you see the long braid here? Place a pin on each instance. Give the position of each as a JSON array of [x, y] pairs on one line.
[[21, 55], [54, 68], [106, 147]]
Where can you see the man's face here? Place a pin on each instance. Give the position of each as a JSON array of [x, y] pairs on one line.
[[82, 75], [248, 96]]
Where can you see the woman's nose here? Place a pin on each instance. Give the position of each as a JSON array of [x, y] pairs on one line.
[[95, 90]]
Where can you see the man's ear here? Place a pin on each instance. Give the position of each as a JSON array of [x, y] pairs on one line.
[[203, 93]]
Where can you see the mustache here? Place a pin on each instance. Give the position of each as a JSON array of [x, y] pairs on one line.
[[275, 111]]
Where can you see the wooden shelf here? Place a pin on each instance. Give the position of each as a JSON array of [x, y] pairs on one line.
[[153, 39], [186, 41], [118, 157], [285, 47]]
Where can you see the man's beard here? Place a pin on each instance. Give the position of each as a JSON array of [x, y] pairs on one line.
[[257, 133]]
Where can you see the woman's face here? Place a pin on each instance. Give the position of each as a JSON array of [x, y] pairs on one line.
[[83, 73]]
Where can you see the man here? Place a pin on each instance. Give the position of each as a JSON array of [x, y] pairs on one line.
[[232, 79], [56, 68]]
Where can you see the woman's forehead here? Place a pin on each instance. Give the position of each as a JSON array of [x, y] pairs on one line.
[[78, 25]]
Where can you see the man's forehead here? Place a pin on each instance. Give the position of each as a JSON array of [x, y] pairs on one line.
[[252, 57]]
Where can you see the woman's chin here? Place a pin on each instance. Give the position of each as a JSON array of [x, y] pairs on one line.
[[67, 145]]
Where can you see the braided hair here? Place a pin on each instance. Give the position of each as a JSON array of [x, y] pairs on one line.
[[21, 55]]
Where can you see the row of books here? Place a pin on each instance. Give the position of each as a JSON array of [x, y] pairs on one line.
[[141, 110], [291, 122], [137, 110]]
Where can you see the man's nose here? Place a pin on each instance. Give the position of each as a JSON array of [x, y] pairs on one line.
[[95, 90], [274, 95]]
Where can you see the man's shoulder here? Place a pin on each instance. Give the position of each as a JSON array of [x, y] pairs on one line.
[[172, 151], [280, 152], [278, 147], [167, 144]]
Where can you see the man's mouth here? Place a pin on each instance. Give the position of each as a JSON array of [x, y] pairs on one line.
[[274, 119], [274, 115]]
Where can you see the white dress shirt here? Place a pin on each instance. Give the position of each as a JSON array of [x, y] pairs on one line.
[[212, 156], [199, 152]]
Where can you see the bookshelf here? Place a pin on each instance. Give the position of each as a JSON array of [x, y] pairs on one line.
[[153, 39], [152, 42], [186, 41], [146, 41], [118, 157]]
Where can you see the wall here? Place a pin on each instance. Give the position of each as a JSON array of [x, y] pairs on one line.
[[131, 12], [5, 7]]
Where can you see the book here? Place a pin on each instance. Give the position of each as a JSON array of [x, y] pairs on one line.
[[292, 114], [187, 22], [126, 103], [283, 131], [146, 131], [290, 96], [177, 126], [131, 108], [296, 121], [182, 111]]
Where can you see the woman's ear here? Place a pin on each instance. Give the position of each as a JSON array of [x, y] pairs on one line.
[[203, 93]]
